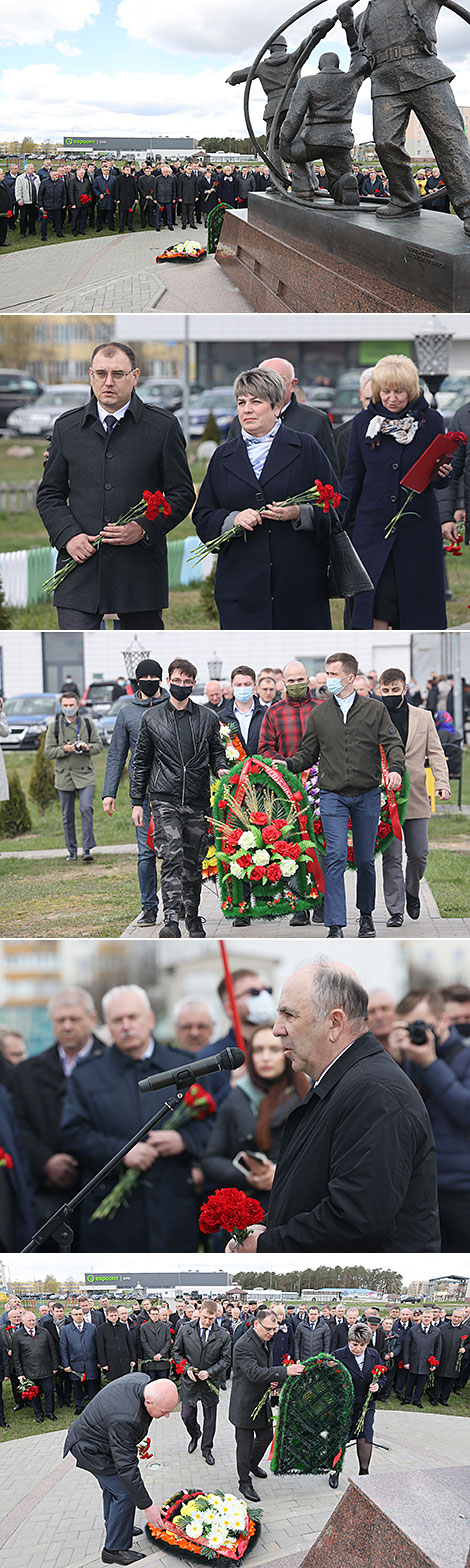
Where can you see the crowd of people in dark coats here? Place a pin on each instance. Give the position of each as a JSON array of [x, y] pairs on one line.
[[86, 194]]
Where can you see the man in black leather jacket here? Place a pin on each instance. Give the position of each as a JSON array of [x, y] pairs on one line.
[[177, 746]]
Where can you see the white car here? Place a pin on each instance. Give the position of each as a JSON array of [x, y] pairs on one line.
[[38, 419]]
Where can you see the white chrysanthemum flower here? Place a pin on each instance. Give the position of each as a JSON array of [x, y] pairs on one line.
[[194, 1529], [261, 857], [217, 1536]]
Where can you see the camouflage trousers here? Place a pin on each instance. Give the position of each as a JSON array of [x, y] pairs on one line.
[[180, 838]]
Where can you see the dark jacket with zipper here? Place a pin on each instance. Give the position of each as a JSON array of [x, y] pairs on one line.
[[252, 1374], [312, 1339], [105, 1436], [213, 1357], [90, 479], [371, 1183], [348, 754], [158, 759], [124, 740], [34, 1357]]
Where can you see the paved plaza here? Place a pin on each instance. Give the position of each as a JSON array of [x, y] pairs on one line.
[[115, 273], [50, 1512]]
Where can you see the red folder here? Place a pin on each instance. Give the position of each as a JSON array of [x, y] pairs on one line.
[[425, 470]]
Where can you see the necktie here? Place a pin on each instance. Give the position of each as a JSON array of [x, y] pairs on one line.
[[110, 422]]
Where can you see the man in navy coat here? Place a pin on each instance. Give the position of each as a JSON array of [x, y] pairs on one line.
[[78, 1355]]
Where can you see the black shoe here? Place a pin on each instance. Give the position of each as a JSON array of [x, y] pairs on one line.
[[247, 1490], [259, 1473], [51, 1418], [121, 1557], [366, 925], [243, 920], [318, 917], [87, 860], [302, 918], [413, 906], [395, 920], [419, 1406], [19, 1407], [170, 928], [39, 1418], [72, 857], [209, 1458], [192, 1445], [333, 1480], [137, 1530], [194, 925], [335, 931], [147, 918], [4, 1424]]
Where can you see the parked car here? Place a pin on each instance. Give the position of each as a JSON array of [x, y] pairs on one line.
[[27, 717], [99, 696], [105, 725], [220, 402], [17, 390], [454, 391], [455, 402], [319, 397], [39, 418], [345, 404], [165, 392]]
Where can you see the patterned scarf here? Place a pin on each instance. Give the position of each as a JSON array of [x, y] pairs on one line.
[[401, 430]]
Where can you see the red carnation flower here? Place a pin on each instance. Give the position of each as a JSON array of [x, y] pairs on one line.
[[231, 1210], [199, 1101], [274, 873], [6, 1160], [180, 1366], [433, 1361], [271, 833]]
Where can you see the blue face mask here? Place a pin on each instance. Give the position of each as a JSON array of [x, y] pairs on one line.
[[243, 693], [333, 685]]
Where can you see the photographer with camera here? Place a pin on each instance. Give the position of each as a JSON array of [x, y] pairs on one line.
[[438, 1060], [71, 741]]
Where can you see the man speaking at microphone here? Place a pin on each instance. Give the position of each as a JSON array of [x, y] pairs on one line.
[[103, 1108]]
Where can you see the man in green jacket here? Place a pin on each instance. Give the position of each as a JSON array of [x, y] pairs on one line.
[[344, 736], [71, 741]]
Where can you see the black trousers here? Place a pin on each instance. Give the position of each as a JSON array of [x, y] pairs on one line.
[[4, 228], [28, 215], [454, 1216], [90, 620], [187, 214], [190, 1420], [84, 1391], [46, 1388], [442, 1388], [252, 1443], [415, 1384]]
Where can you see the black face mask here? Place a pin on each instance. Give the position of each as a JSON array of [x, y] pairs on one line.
[[149, 688], [393, 702], [179, 692], [463, 1028]]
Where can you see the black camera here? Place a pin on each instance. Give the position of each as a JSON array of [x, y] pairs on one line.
[[78, 746], [418, 1032]]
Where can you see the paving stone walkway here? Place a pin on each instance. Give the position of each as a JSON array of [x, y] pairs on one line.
[[50, 1512], [115, 273]]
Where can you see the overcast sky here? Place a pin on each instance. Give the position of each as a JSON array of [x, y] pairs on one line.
[[137, 67], [72, 1266]]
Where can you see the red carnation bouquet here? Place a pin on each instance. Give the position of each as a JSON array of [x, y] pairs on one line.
[[461, 1351], [232, 1210], [84, 199], [379, 1371], [6, 1160], [318, 494], [152, 505], [144, 1450], [28, 1390], [433, 1363], [195, 1105]]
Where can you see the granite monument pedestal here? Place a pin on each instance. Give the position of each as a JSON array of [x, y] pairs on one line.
[[408, 1519], [289, 258]]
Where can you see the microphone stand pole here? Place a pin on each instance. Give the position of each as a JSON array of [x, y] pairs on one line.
[[57, 1228]]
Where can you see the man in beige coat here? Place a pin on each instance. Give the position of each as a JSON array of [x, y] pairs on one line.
[[71, 742], [418, 732]]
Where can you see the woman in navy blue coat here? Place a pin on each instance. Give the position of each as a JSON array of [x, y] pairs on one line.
[[276, 574], [360, 1359], [407, 569]]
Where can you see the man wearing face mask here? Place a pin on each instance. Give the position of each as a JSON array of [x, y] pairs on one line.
[[178, 746], [244, 711], [282, 731], [418, 733], [344, 737], [440, 1068], [149, 692], [71, 742]]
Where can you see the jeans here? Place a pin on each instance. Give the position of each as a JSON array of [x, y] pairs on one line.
[[85, 801], [146, 863], [119, 1511], [364, 811]]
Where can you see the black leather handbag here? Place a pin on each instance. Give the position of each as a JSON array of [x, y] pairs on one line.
[[346, 574]]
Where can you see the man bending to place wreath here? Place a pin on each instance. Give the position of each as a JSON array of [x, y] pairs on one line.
[[104, 1440]]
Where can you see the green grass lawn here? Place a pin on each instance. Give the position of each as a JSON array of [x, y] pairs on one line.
[[47, 829], [23, 1422], [94, 901]]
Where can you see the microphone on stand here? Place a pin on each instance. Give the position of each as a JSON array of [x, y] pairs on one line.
[[191, 1072]]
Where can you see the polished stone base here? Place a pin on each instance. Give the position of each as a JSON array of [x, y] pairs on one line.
[[285, 258], [416, 1519]]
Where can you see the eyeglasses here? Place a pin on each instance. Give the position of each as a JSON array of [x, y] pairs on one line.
[[115, 375]]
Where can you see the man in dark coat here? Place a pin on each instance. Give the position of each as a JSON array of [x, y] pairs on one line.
[[372, 1184], [187, 187], [440, 1067], [105, 1439], [252, 1376], [36, 1358], [206, 1349], [460, 476], [453, 1337], [275, 574], [17, 1203], [113, 1346], [104, 188], [13, 1320], [156, 1342], [295, 415], [143, 448], [54, 1325], [79, 192], [52, 202], [178, 745], [148, 675], [312, 1337], [104, 1107], [146, 189], [165, 197], [338, 1333], [423, 1340], [39, 1092], [126, 198], [78, 1356]]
